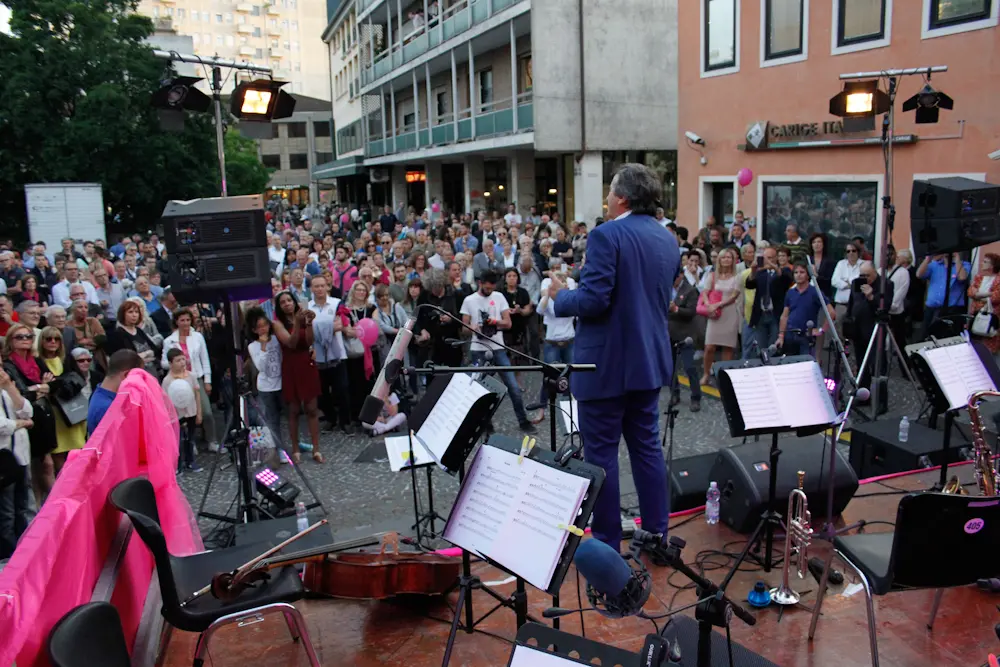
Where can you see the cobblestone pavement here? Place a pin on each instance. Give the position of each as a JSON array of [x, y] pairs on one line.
[[360, 490]]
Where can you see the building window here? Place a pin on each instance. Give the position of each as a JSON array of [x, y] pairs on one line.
[[298, 161], [194, 14], [525, 80], [409, 121], [295, 26], [349, 138], [258, 53], [255, 11], [256, 32], [719, 34], [485, 90], [784, 34], [271, 161], [156, 12], [954, 12], [321, 128], [323, 158], [229, 17], [860, 21], [218, 40], [443, 103], [195, 38], [180, 13], [229, 40], [841, 210], [218, 18]]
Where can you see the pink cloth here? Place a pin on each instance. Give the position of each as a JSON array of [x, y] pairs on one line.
[[58, 560]]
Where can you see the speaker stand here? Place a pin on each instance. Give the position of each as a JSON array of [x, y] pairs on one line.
[[768, 520]]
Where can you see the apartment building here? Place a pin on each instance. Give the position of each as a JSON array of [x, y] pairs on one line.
[[758, 75], [280, 34], [485, 103], [300, 144]]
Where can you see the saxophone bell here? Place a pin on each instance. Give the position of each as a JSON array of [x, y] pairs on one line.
[[798, 537]]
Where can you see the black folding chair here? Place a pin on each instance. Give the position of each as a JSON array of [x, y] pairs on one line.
[[940, 541], [89, 635], [181, 576]]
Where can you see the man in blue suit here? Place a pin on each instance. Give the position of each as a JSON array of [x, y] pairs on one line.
[[622, 305]]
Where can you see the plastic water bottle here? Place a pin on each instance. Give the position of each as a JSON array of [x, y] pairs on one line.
[[904, 429], [301, 518], [712, 504]]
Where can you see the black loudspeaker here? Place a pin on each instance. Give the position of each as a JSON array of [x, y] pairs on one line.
[[743, 473], [953, 214], [689, 478], [876, 449]]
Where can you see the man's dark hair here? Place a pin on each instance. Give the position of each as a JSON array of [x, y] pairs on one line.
[[123, 361], [682, 233], [173, 353], [488, 276], [639, 186]]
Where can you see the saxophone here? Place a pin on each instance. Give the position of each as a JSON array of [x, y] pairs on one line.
[[986, 473]]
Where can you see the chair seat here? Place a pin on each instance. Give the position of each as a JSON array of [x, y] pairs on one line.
[[191, 573], [870, 552]]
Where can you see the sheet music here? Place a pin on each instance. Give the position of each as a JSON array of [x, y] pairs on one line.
[[506, 506], [959, 372], [526, 656], [398, 450], [447, 415], [570, 417], [782, 396]]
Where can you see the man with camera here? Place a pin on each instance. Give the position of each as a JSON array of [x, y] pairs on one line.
[[488, 313]]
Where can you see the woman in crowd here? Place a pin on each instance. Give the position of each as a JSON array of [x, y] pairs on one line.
[[298, 287], [823, 264], [29, 291], [844, 274], [195, 349], [81, 362], [984, 293], [415, 352], [129, 334], [15, 456], [265, 351], [65, 386], [724, 317], [419, 264], [32, 382], [87, 331], [300, 383], [358, 307], [391, 317], [520, 310]]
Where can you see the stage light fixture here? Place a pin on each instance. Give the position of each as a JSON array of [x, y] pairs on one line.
[[858, 104], [180, 94], [275, 489], [261, 101], [928, 104]]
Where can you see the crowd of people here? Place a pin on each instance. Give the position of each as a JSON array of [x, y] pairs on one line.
[[75, 319]]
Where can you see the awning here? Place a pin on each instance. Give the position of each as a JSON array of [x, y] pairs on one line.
[[348, 166]]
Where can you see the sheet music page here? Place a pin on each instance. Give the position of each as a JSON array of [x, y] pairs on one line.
[[526, 656], [485, 504], [802, 394], [570, 417], [531, 542], [398, 450], [959, 372], [447, 415], [757, 397]]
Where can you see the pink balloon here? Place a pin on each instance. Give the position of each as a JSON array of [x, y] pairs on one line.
[[344, 219], [744, 176], [436, 207], [369, 331]]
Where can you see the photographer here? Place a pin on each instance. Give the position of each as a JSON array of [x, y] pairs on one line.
[[488, 314], [862, 309]]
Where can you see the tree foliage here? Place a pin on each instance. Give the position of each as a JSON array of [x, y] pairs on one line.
[[76, 77], [245, 175]]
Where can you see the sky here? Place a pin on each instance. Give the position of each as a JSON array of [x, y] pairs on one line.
[[4, 19]]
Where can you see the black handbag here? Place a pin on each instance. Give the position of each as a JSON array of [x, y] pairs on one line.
[[10, 470]]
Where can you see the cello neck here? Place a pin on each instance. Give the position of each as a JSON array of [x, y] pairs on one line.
[[318, 552]]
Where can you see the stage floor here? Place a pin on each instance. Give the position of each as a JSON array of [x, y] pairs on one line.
[[362, 634]]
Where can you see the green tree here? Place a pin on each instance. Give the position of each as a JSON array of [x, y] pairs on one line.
[[245, 175], [76, 79]]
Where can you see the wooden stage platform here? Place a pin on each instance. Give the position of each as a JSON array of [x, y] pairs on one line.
[[363, 634]]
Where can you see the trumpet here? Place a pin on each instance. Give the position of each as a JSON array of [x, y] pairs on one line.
[[798, 537]]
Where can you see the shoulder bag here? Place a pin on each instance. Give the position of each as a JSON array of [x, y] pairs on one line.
[[710, 296], [984, 324]]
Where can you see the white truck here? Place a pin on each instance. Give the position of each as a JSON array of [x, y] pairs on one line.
[[64, 210]]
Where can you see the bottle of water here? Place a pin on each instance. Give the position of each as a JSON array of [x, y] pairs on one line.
[[904, 429], [712, 504], [301, 518]]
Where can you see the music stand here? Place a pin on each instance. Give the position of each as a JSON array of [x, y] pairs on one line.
[[563, 649], [757, 401], [950, 370], [500, 450]]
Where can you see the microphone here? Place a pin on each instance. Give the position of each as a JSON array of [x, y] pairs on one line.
[[684, 343], [862, 394], [613, 588], [372, 407]]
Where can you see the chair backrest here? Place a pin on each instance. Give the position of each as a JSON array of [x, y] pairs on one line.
[[135, 498], [89, 635], [945, 540]]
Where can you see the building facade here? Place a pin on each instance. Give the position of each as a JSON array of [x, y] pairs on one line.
[[301, 142], [479, 104], [758, 75], [280, 35]]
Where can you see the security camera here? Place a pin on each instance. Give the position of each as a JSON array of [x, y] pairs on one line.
[[694, 138], [995, 155]]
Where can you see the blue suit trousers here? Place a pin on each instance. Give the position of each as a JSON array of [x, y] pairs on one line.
[[603, 422]]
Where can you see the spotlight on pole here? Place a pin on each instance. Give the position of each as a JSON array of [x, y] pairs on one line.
[[261, 101], [928, 103], [858, 104], [175, 96]]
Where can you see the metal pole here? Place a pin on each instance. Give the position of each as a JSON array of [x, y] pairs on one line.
[[895, 72], [219, 138]]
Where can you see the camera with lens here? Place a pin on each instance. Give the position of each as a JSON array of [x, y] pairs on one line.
[[487, 326]]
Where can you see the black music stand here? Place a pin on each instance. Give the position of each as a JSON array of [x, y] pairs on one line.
[[458, 449], [518, 601], [572, 649], [771, 518], [936, 393]]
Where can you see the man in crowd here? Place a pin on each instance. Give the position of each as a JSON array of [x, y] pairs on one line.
[[802, 306], [934, 270], [770, 284], [120, 363]]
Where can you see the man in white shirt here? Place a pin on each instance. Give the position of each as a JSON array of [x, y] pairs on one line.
[[559, 331], [71, 276], [275, 253], [332, 369], [899, 275], [512, 217], [662, 218], [487, 312]]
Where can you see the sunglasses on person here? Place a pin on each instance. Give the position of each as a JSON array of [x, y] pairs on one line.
[[23, 337], [851, 251], [84, 359], [49, 339]]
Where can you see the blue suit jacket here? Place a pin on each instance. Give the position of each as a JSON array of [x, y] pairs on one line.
[[622, 305]]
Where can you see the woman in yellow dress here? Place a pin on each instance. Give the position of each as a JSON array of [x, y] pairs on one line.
[[67, 384]]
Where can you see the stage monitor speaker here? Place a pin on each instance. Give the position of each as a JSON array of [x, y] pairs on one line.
[[876, 449], [214, 224], [743, 472], [953, 214], [212, 276], [689, 478]]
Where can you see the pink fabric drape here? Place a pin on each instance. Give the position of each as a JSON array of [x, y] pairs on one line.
[[59, 558]]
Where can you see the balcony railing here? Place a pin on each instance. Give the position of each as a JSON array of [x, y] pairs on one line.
[[244, 29], [497, 120], [418, 40], [244, 8]]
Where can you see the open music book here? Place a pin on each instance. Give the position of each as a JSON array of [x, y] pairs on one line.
[[446, 417], [959, 372], [510, 512], [570, 416], [782, 396], [397, 448], [526, 656]]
